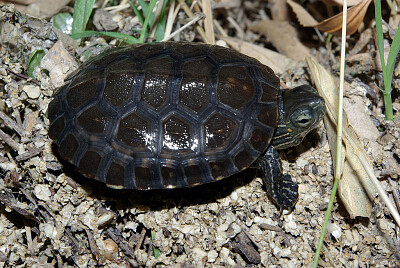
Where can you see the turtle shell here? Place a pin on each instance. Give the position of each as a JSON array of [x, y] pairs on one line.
[[165, 115]]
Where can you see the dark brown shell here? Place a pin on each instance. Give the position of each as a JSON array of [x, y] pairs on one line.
[[165, 115]]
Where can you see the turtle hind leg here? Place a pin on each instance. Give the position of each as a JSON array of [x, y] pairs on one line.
[[279, 186]]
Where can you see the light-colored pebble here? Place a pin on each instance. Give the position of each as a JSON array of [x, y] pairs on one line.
[[32, 91]]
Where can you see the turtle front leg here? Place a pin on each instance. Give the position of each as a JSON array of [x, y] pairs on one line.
[[279, 186]]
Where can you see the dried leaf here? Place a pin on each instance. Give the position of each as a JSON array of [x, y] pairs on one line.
[[59, 63], [340, 2], [303, 16], [277, 62], [288, 43], [46, 8], [355, 188], [333, 25], [22, 2]]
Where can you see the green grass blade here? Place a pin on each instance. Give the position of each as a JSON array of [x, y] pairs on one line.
[[387, 69], [379, 32], [137, 12], [144, 6], [124, 37], [156, 251], [149, 16], [162, 20], [82, 11], [394, 50], [34, 60]]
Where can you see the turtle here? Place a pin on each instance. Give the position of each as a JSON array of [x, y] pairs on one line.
[[180, 114]]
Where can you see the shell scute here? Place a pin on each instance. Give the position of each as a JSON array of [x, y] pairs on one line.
[[156, 82], [177, 135], [78, 95], [89, 164], [235, 87], [93, 120], [194, 87], [133, 131], [219, 131], [118, 88], [68, 147], [260, 139], [115, 174]]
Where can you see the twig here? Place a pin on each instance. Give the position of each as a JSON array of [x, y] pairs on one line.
[[195, 19], [208, 21], [244, 229], [121, 243], [48, 210], [115, 9], [220, 29], [22, 76], [339, 133], [17, 117], [92, 244], [396, 197], [191, 15], [28, 236], [8, 199], [157, 14], [11, 124], [173, 12], [7, 139], [237, 27], [74, 243], [139, 244], [29, 197], [278, 230], [31, 153]]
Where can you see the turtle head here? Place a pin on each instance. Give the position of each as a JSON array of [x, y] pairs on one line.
[[301, 111]]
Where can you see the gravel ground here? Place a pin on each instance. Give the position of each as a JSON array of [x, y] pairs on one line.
[[51, 216]]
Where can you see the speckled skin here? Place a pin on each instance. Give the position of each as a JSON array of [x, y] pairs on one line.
[[166, 115]]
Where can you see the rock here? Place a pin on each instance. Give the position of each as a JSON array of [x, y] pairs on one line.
[[32, 91]]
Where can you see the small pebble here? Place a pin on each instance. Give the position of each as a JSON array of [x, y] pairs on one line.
[[49, 230], [32, 91], [110, 250], [212, 256], [42, 192]]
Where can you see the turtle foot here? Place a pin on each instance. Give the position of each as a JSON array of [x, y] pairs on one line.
[[285, 193]]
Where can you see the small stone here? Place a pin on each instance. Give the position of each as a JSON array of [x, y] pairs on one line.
[[110, 250], [49, 230], [290, 225], [212, 256], [32, 91], [300, 162], [42, 192], [233, 230], [199, 254], [141, 256], [334, 230], [224, 254], [104, 20], [213, 206], [131, 225], [105, 218]]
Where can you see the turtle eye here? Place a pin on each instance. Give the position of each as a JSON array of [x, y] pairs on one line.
[[303, 117]]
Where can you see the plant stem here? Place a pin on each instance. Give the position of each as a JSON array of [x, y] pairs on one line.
[[387, 98], [339, 126]]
